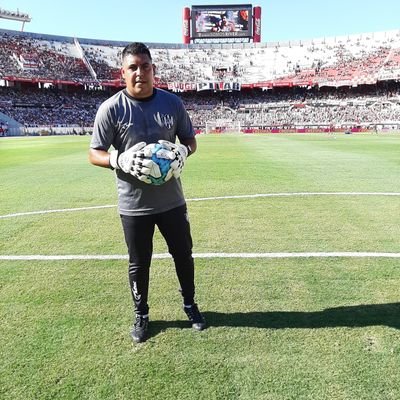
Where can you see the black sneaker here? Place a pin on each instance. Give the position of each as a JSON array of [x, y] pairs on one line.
[[195, 317], [140, 328]]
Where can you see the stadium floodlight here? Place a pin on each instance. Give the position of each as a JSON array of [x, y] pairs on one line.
[[15, 16]]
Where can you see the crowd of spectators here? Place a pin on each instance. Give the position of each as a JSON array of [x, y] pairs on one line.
[[330, 108], [327, 61], [284, 107], [27, 57], [34, 107], [336, 81]]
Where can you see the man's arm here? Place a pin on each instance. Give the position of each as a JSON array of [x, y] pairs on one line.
[[100, 158], [191, 144]]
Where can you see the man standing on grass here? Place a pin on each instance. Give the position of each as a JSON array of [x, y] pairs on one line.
[[131, 119]]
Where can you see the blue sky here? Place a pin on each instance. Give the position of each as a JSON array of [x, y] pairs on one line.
[[161, 20]]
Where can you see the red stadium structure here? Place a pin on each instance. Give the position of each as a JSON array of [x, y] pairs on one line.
[[186, 25], [257, 24], [224, 23]]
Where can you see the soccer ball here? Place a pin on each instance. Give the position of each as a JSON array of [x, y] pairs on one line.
[[162, 174]]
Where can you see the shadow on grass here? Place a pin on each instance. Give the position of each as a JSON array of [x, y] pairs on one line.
[[351, 316]]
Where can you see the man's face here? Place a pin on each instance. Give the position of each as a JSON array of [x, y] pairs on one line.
[[138, 72]]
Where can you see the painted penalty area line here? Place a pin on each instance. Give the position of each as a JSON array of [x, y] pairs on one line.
[[244, 196], [61, 210], [204, 255]]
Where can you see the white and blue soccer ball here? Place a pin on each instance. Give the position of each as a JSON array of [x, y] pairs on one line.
[[163, 173]]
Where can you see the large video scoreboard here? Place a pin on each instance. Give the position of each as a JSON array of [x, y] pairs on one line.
[[222, 22]]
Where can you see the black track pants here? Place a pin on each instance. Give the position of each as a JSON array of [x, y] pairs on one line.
[[139, 231]]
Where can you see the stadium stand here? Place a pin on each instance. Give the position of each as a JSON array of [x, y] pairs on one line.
[[53, 84]]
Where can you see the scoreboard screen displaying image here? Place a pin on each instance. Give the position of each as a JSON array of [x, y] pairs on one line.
[[222, 21]]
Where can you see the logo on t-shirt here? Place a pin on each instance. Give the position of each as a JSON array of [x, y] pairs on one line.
[[123, 127], [164, 120]]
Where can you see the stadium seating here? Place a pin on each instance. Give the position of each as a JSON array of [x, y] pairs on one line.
[[341, 81]]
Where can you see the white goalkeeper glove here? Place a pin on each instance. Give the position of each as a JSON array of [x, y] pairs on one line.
[[164, 152], [180, 153], [126, 159], [142, 168]]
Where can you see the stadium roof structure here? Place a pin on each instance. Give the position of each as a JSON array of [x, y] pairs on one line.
[[15, 16]]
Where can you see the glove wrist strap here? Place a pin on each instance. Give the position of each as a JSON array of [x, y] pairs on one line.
[[189, 150], [114, 160]]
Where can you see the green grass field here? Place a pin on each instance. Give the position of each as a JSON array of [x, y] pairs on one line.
[[280, 327]]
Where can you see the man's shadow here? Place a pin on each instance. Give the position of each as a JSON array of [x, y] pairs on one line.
[[350, 316], [356, 316]]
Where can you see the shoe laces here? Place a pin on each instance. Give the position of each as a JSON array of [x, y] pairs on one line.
[[193, 313], [141, 321]]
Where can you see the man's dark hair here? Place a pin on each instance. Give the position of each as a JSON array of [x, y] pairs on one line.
[[135, 49]]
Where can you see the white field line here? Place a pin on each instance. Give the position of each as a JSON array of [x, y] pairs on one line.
[[209, 255], [244, 196], [204, 255], [54, 211]]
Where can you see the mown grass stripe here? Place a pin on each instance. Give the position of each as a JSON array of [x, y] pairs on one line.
[[244, 196], [39, 257]]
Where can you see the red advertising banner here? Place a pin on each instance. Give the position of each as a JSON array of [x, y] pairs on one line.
[[186, 25], [257, 24]]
